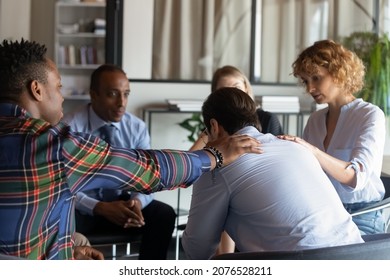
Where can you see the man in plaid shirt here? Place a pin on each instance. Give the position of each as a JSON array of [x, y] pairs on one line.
[[43, 165]]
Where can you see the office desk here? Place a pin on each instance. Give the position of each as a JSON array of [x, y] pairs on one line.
[[286, 119]]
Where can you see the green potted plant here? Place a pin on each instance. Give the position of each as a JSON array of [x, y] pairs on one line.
[[194, 125], [374, 50]]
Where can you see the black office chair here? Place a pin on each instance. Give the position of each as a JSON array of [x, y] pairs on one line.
[[385, 203], [376, 247]]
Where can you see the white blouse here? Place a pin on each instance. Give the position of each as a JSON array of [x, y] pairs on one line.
[[359, 138]]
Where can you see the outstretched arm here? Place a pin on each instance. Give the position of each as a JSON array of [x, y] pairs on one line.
[[341, 170], [99, 165]]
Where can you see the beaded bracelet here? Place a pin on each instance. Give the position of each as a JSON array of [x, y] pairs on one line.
[[217, 154]]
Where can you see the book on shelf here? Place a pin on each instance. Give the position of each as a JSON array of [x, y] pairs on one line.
[[61, 55], [91, 55], [72, 54], [83, 55]]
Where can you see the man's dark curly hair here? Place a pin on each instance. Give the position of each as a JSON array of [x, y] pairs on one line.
[[20, 64]]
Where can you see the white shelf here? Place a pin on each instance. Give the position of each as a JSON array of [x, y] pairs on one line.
[[78, 67], [78, 49], [81, 35], [80, 4]]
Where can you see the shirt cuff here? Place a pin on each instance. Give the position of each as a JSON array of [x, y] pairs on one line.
[[85, 204], [354, 165], [360, 175], [204, 159], [145, 199]]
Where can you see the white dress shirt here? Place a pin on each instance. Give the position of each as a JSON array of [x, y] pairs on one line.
[[278, 200]]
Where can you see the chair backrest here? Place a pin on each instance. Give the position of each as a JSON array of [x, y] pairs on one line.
[[376, 248], [383, 204], [386, 182], [104, 238]]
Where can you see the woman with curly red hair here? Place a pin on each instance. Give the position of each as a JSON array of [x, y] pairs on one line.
[[348, 136]]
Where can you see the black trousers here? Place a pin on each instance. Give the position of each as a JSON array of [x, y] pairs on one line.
[[156, 234]]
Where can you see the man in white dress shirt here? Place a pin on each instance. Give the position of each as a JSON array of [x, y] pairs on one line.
[[278, 200]]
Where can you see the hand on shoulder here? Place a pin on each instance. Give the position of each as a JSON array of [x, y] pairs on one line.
[[233, 146]]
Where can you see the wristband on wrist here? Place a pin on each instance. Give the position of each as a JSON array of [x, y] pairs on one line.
[[217, 154]]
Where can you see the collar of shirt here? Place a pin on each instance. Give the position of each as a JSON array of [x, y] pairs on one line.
[[12, 110], [255, 133], [96, 122]]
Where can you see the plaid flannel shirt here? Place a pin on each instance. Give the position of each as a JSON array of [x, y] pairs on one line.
[[42, 167]]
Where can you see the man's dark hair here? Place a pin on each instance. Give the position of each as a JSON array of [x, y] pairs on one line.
[[96, 74], [20, 64], [232, 108]]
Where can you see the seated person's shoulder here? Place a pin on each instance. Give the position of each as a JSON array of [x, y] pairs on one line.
[[130, 119]]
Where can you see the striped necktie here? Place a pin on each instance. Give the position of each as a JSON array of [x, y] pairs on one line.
[[107, 133]]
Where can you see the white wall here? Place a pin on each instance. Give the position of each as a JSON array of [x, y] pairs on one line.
[[138, 38], [42, 23], [15, 19]]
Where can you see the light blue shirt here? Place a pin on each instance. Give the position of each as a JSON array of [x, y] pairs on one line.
[[359, 138], [278, 200], [131, 132]]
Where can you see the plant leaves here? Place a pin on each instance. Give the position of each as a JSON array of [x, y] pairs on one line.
[[374, 50], [194, 125]]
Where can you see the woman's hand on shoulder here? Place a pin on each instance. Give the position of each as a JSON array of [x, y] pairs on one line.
[[298, 140]]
